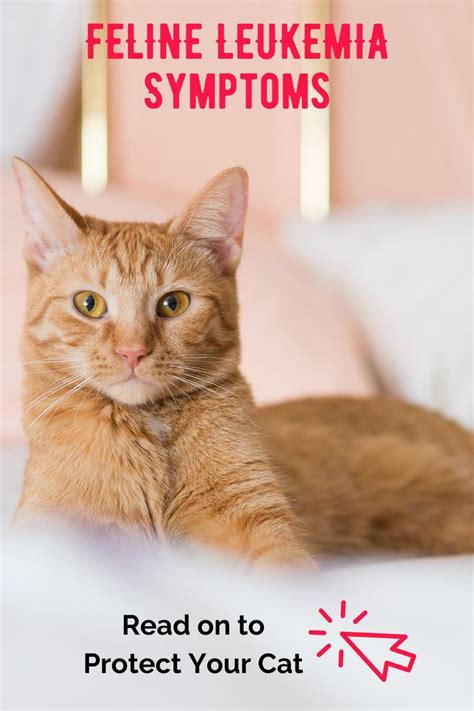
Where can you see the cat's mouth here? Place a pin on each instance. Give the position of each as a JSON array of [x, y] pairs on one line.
[[130, 378], [133, 390], [133, 378]]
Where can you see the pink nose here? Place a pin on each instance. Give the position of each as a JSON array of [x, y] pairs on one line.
[[133, 356]]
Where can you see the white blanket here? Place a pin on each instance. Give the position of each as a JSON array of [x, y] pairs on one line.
[[66, 596]]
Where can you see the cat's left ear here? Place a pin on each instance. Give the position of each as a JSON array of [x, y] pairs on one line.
[[52, 226], [216, 216]]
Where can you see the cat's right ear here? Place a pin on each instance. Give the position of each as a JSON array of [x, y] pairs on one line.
[[52, 226], [216, 217]]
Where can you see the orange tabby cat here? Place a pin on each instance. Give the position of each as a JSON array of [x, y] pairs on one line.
[[138, 419]]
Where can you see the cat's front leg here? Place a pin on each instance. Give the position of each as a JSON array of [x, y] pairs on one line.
[[224, 491], [246, 514]]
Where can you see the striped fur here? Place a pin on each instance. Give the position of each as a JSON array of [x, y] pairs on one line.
[[183, 453]]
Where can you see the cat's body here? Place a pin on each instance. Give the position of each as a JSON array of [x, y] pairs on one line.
[[373, 474], [192, 466], [139, 420]]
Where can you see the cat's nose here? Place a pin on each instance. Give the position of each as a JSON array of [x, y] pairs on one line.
[[133, 356]]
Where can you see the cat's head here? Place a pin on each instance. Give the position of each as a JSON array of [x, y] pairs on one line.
[[136, 311]]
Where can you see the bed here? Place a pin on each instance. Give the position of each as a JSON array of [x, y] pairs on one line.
[[65, 596]]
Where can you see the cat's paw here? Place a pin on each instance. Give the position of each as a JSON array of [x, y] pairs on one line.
[[277, 558]]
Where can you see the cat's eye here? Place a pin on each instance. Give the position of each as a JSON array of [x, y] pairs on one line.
[[173, 304], [90, 304]]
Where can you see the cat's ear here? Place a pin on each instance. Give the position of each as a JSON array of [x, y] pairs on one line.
[[52, 226], [216, 216]]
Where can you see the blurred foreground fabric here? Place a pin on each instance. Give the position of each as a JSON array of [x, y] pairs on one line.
[[65, 595]]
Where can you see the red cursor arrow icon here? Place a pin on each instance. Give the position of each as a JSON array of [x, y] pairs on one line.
[[360, 642]]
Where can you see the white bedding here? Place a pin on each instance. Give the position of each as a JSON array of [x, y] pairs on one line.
[[65, 596], [406, 275]]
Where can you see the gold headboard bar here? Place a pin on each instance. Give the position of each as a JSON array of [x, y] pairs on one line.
[[94, 128], [314, 158], [314, 136]]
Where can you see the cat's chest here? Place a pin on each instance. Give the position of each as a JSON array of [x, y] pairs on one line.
[[138, 446], [107, 467], [127, 471]]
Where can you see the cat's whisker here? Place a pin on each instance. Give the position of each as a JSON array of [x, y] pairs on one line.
[[189, 370], [205, 371], [183, 361], [58, 401], [170, 394], [87, 391], [206, 385], [204, 359], [53, 387], [200, 356], [202, 386], [58, 385], [183, 393]]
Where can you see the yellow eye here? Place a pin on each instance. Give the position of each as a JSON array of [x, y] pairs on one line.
[[173, 304], [90, 304]]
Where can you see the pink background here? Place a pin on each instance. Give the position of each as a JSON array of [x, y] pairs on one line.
[[401, 129]]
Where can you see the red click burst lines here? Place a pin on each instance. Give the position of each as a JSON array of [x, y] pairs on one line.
[[327, 617]]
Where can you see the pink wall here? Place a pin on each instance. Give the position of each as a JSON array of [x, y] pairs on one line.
[[178, 150], [400, 129]]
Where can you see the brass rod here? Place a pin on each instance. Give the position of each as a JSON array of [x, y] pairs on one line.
[[94, 115], [314, 136]]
